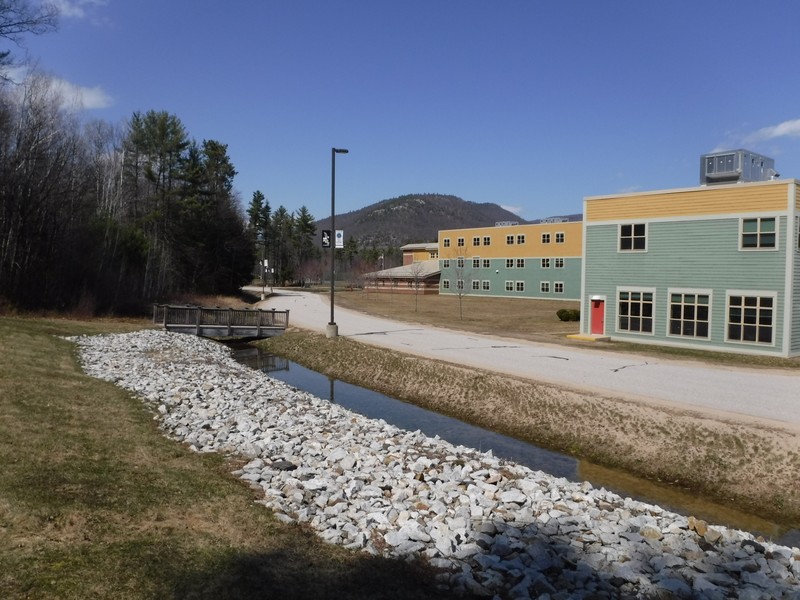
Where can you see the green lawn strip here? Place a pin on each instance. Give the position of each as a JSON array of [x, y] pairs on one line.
[[96, 502]]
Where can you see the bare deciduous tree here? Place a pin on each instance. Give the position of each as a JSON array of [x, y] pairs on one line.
[[19, 17]]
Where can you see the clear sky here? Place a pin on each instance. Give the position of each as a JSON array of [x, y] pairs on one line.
[[528, 104]]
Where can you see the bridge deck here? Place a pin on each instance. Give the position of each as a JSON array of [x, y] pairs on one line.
[[221, 322]]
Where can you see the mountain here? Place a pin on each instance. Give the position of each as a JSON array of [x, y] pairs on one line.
[[414, 218]]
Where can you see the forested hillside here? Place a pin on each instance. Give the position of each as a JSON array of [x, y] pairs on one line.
[[414, 218]]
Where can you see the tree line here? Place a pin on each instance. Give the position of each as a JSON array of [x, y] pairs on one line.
[[109, 217]]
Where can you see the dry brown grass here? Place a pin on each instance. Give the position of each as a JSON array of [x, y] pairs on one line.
[[515, 317]]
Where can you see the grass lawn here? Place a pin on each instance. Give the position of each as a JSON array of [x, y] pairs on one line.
[[95, 502]]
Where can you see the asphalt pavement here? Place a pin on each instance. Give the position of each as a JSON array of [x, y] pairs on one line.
[[769, 395]]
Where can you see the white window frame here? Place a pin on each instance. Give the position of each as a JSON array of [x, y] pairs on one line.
[[487, 263], [445, 284], [685, 292], [460, 262], [545, 263], [544, 287], [509, 285], [510, 239], [476, 285], [487, 240], [520, 238], [545, 238], [560, 237], [752, 294], [460, 242], [486, 285], [758, 233], [520, 262], [445, 263], [558, 287], [654, 309], [633, 237], [519, 286], [476, 240], [509, 263], [446, 243], [558, 263], [476, 262]]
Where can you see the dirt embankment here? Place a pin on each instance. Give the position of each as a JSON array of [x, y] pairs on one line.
[[739, 464]]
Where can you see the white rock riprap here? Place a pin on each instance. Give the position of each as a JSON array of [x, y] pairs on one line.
[[494, 528]]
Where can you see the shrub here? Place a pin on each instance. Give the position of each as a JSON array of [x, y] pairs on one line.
[[569, 314]]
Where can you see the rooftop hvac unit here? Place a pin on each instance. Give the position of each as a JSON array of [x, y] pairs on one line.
[[736, 166]]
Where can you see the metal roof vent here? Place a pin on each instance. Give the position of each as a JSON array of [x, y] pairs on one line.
[[736, 166]]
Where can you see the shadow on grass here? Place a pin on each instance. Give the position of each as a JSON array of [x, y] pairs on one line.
[[281, 575]]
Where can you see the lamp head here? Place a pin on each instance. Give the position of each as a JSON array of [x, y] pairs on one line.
[[340, 150]]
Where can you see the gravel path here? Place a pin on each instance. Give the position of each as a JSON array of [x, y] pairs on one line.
[[750, 394]]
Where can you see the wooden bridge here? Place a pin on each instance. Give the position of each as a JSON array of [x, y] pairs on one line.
[[221, 322]]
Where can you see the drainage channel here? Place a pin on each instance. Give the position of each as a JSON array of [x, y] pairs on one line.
[[410, 417]]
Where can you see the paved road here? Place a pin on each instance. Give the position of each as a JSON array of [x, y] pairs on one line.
[[772, 395]]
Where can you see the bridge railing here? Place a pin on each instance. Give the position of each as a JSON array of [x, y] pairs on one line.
[[224, 321]]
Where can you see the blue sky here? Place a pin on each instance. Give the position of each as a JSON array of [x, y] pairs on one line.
[[531, 105]]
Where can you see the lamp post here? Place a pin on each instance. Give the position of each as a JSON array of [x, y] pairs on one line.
[[333, 330]]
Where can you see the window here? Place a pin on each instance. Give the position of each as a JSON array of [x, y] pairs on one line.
[[751, 318], [509, 286], [544, 287], [487, 240], [635, 311], [434, 254], [560, 237], [460, 284], [485, 285], [509, 263], [545, 238], [521, 238], [476, 241], [559, 263], [520, 263], [759, 233], [558, 287], [445, 284], [446, 242], [510, 240], [476, 284], [476, 263], [520, 286], [445, 263], [460, 262], [689, 314], [545, 263], [487, 263], [633, 237], [460, 242]]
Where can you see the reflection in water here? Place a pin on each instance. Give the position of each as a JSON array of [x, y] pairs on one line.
[[410, 417]]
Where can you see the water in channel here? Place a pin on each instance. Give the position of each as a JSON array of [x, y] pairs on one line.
[[410, 417]]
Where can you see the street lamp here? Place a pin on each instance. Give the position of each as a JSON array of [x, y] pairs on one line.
[[333, 330]]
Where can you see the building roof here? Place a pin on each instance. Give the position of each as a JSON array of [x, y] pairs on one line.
[[417, 270], [421, 246]]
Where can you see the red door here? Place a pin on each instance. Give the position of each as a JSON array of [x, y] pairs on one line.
[[598, 317]]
